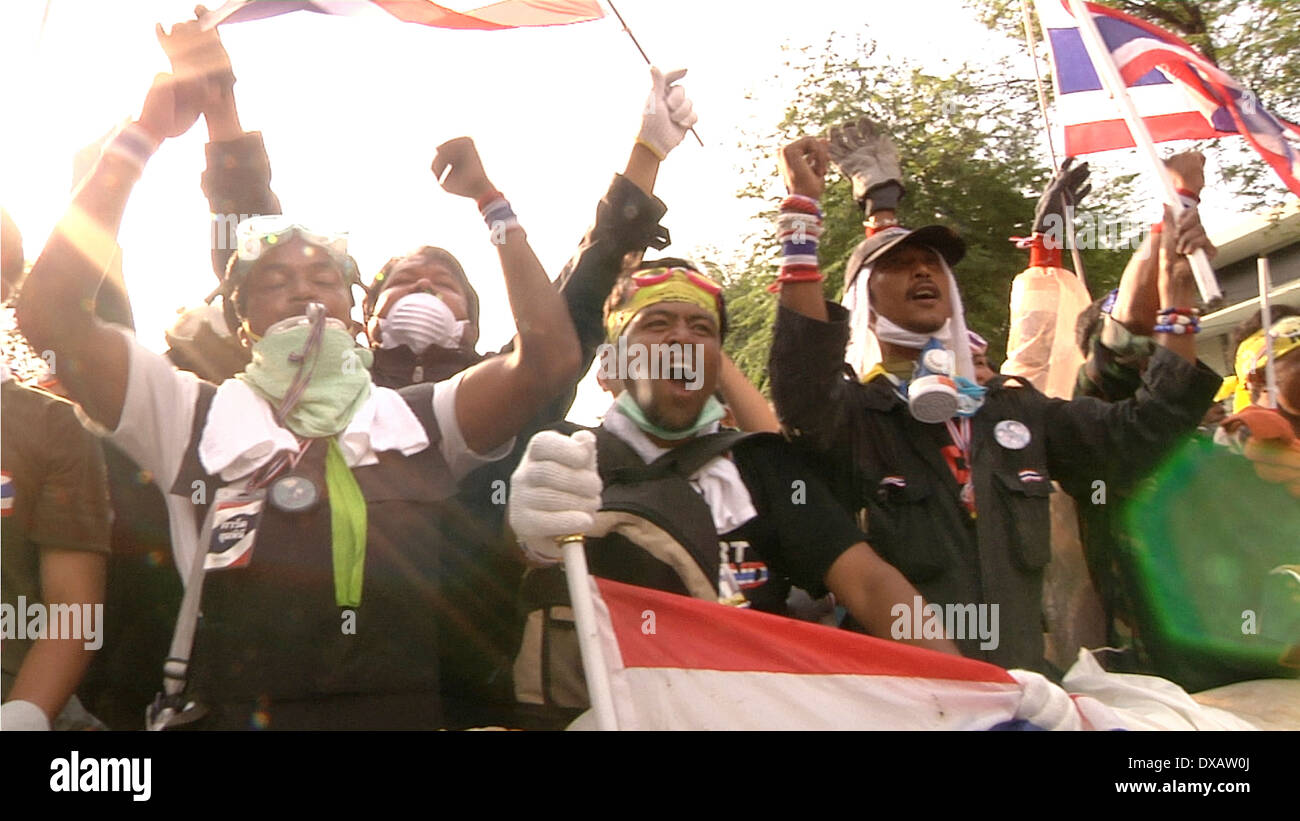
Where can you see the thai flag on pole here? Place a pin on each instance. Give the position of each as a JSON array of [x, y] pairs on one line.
[[503, 15], [1179, 94], [677, 663]]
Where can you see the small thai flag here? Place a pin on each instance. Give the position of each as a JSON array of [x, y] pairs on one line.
[[1030, 476]]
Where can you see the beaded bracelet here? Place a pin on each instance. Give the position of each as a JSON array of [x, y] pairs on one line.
[[1178, 321]]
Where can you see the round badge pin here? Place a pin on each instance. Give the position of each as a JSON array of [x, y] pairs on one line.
[[1011, 434], [294, 494]]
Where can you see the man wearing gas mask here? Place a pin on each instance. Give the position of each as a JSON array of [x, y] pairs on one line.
[[303, 498], [951, 477]]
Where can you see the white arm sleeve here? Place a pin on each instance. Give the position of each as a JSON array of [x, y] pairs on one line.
[[459, 457], [157, 413]]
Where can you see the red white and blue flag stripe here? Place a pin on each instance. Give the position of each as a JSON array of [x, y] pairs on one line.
[[503, 15], [677, 663], [1178, 92], [6, 493]]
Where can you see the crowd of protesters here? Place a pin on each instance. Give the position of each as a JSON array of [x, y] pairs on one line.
[[277, 526]]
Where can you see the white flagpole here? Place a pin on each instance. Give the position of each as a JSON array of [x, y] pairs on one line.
[[584, 619], [1105, 66], [1266, 322], [1047, 130]]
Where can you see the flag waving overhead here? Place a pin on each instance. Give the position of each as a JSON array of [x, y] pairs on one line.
[[503, 15], [676, 663], [1178, 93]]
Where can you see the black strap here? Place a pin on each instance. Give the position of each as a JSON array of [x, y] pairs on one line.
[[683, 460]]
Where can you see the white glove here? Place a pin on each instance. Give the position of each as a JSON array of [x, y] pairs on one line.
[[867, 157], [23, 715], [554, 492], [668, 113]]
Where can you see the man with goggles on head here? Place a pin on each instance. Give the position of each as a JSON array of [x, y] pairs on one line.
[[669, 501], [303, 498], [953, 478]]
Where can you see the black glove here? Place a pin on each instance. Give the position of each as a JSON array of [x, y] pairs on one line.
[[1068, 187]]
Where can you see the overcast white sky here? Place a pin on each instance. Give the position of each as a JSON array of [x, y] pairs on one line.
[[351, 110]]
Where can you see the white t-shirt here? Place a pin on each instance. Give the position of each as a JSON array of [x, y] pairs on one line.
[[158, 415]]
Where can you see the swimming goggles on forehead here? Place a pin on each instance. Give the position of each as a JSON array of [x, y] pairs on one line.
[[658, 276], [256, 236]]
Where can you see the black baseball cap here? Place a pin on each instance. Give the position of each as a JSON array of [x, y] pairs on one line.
[[939, 237]]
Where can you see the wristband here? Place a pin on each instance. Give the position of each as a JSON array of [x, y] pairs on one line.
[[133, 144], [1178, 321], [499, 216], [798, 229]]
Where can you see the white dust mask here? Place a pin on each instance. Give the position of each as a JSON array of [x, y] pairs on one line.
[[420, 320]]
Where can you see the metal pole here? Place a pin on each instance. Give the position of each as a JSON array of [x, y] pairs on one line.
[[644, 56]]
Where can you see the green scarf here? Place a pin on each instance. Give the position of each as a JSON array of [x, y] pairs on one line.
[[347, 527], [340, 376], [339, 384], [710, 413]]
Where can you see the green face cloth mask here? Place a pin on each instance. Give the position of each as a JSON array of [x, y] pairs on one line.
[[710, 413], [339, 372]]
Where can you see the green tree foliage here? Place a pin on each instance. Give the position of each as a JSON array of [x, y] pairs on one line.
[[969, 150], [1255, 41]]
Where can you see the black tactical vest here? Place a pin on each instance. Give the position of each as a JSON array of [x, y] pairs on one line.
[[274, 650]]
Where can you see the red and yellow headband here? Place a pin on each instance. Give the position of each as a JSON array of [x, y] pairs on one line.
[[655, 285]]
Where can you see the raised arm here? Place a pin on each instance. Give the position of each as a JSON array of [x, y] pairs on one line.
[[1088, 439], [500, 395], [1122, 342], [752, 411], [56, 308], [237, 180], [806, 363], [627, 217]]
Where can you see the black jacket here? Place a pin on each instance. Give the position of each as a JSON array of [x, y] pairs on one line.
[[881, 461]]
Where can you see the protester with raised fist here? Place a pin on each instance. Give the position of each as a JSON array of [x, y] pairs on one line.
[[320, 580], [953, 477]]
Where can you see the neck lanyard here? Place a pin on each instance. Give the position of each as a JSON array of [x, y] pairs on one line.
[[960, 431], [286, 459]]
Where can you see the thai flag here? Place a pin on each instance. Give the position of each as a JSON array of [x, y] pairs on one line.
[[6, 493], [503, 15], [677, 663], [1179, 94]]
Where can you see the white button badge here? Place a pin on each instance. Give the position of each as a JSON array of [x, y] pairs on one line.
[[1012, 434]]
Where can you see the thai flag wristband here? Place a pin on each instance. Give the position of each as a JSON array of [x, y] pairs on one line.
[[798, 229]]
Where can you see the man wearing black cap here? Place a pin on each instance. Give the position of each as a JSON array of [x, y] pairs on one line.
[[953, 478]]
